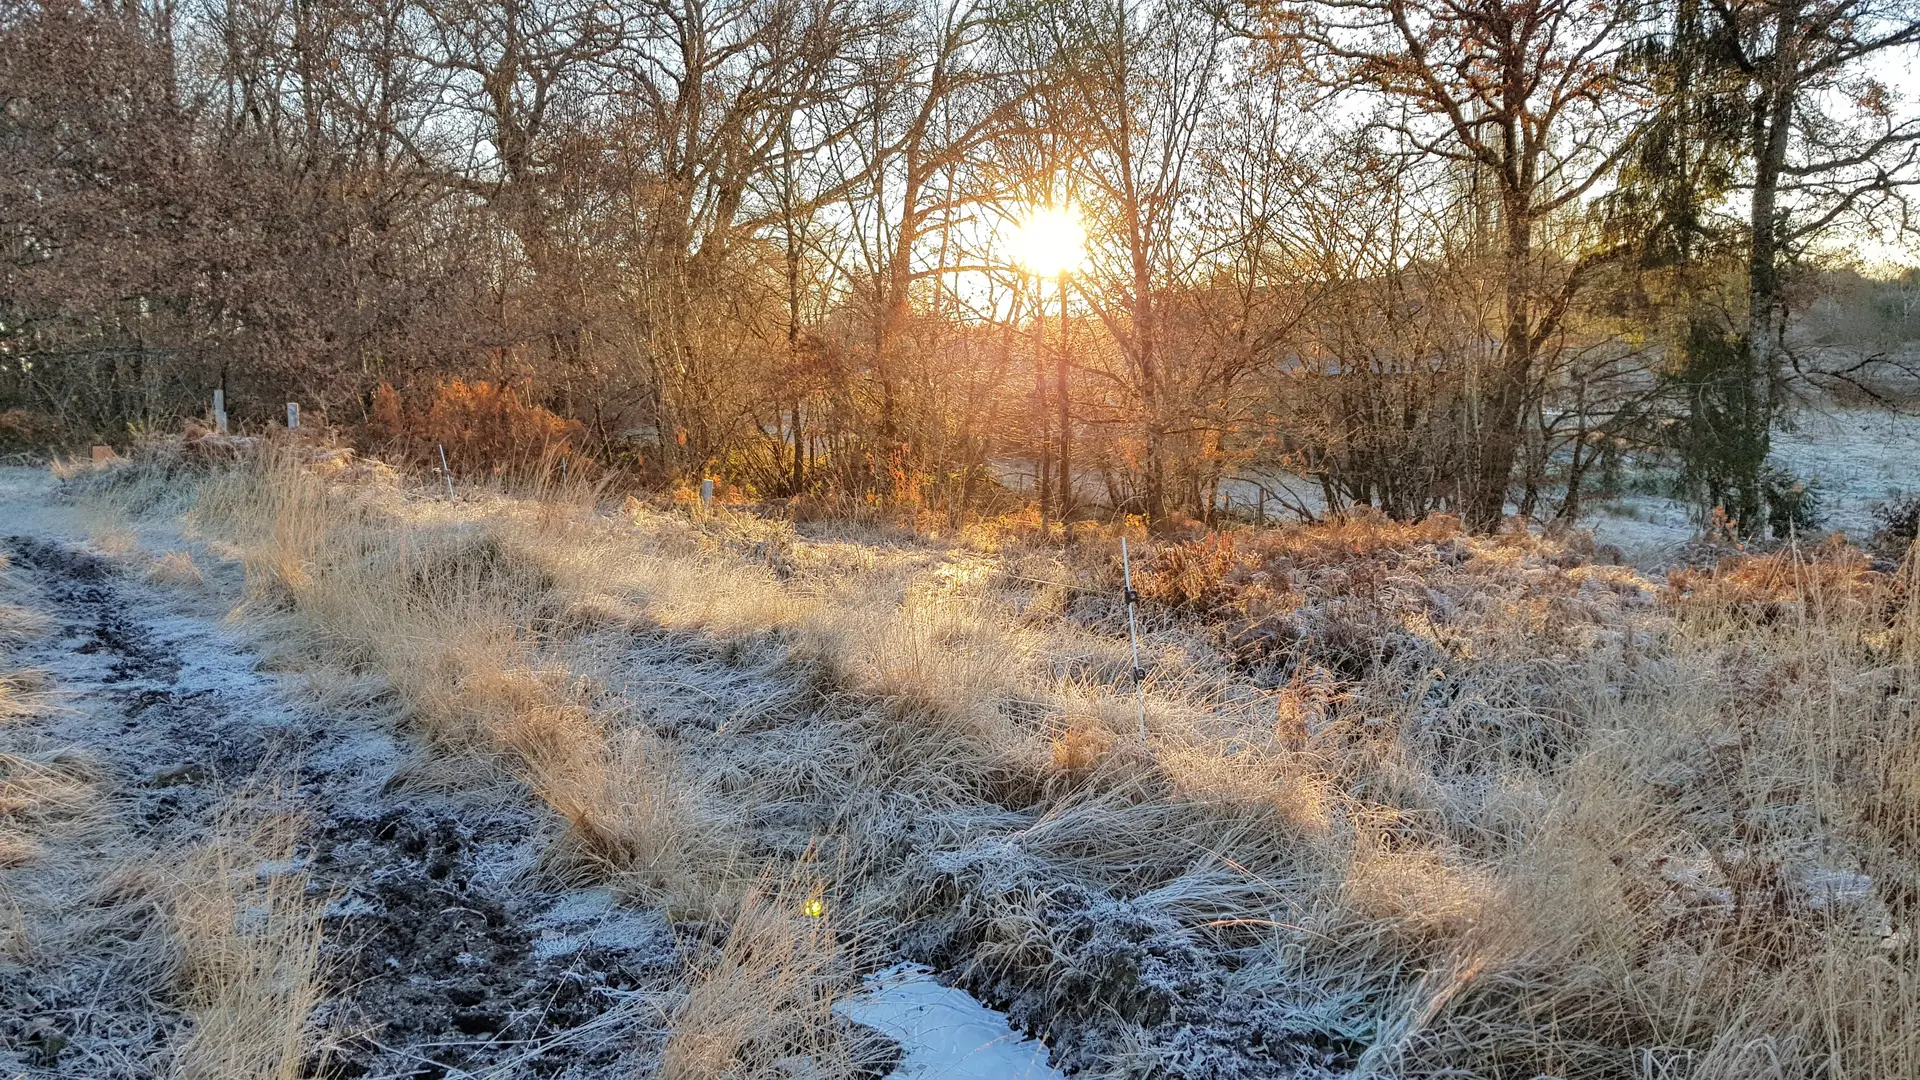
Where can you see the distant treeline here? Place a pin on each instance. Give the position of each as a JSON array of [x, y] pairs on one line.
[[1431, 256]]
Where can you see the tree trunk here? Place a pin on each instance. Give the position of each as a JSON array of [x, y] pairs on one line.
[[1043, 465], [1501, 409], [797, 483], [1063, 401], [1762, 336]]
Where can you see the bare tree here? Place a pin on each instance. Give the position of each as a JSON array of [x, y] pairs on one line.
[[1131, 86], [1529, 99]]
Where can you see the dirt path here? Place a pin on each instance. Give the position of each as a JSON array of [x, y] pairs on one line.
[[447, 953]]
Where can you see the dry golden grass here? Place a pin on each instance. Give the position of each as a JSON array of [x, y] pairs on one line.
[[1509, 813], [463, 620], [635, 824], [175, 568], [240, 939], [22, 693], [20, 688], [34, 787], [38, 788], [761, 1007], [1711, 878], [18, 625], [246, 935], [114, 541]]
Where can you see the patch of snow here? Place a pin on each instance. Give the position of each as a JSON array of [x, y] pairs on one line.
[[630, 929], [944, 1033], [549, 947], [501, 866], [1856, 459], [349, 906], [579, 906], [276, 867]]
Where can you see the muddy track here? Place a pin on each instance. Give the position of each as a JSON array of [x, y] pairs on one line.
[[448, 954]]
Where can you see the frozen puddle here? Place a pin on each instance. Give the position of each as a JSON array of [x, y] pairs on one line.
[[944, 1034]]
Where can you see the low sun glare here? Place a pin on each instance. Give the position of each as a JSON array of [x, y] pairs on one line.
[[1048, 241]]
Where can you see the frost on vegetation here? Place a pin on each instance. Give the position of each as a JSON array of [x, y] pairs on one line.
[[1896, 524], [1103, 972], [1462, 721]]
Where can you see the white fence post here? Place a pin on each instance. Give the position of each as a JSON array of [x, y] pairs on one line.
[[220, 411], [1133, 635], [293, 416]]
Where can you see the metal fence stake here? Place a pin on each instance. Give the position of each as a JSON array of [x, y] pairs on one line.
[[1133, 635], [446, 473]]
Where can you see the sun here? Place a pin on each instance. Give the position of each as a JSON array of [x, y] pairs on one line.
[[1048, 241]]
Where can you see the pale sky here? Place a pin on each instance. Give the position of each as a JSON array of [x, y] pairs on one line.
[[1901, 72]]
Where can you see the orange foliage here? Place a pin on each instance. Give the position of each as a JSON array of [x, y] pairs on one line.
[[483, 425], [1348, 555], [1763, 588], [1192, 573], [1079, 749]]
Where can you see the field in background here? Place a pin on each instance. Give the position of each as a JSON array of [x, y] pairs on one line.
[[1406, 802], [1856, 459]]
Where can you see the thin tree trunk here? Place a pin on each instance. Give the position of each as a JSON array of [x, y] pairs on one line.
[[1063, 400]]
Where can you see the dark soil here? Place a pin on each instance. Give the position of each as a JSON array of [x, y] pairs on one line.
[[447, 952]]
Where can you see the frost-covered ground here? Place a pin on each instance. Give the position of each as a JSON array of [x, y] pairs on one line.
[[1649, 530], [1234, 890], [444, 949], [1855, 458], [448, 951]]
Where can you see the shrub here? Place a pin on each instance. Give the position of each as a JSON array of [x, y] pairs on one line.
[[1192, 574], [1794, 505], [483, 426], [20, 428], [1767, 587], [1897, 523]]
